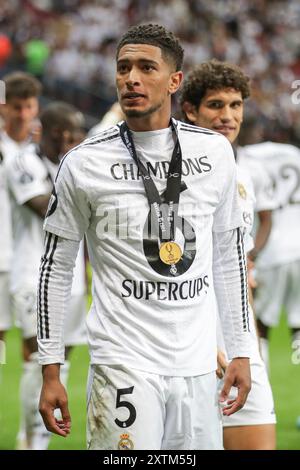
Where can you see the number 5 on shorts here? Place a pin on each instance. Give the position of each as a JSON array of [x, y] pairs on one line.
[[132, 411]]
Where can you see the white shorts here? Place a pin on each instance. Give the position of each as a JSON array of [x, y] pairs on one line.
[[25, 308], [6, 318], [259, 407], [132, 409], [277, 287]]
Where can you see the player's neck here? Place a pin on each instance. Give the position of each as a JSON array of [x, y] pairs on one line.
[[153, 122], [16, 133]]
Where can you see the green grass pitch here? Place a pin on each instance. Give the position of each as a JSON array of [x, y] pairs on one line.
[[285, 378]]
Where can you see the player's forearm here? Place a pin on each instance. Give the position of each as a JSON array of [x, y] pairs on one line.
[[51, 372], [230, 281], [54, 290], [39, 204], [263, 232]]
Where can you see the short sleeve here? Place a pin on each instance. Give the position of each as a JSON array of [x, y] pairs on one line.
[[27, 177], [68, 214], [228, 213]]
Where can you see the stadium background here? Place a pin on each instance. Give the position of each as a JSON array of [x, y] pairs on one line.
[[70, 45]]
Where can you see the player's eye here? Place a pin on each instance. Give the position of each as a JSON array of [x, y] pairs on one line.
[[122, 68], [148, 67], [215, 105]]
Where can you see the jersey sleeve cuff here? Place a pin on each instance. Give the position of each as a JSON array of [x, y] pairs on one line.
[[51, 352], [62, 232]]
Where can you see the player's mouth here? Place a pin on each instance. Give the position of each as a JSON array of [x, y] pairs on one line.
[[132, 97], [225, 130]]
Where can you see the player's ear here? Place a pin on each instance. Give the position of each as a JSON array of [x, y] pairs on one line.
[[190, 111], [175, 81]]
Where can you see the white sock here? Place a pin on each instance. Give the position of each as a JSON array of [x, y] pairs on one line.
[[264, 351], [31, 383], [21, 443]]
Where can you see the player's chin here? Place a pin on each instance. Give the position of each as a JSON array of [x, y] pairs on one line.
[[232, 136], [134, 111]]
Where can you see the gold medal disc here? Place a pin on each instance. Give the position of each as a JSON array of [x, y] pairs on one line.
[[170, 253]]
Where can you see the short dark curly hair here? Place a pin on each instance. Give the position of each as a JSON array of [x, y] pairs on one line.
[[213, 75], [158, 36]]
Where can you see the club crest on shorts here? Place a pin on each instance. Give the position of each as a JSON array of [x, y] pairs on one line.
[[125, 443], [242, 191]]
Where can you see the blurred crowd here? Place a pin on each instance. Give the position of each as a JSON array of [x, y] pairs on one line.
[[70, 46]]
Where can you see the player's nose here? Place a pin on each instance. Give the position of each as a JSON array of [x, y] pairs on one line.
[[226, 114], [133, 77]]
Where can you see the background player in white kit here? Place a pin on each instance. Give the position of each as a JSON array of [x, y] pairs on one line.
[[20, 129], [213, 97], [19, 113], [151, 327], [30, 179], [278, 266]]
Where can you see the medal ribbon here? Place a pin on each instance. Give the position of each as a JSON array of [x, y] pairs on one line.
[[165, 212]]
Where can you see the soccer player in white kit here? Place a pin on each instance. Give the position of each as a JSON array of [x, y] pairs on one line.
[[213, 97], [152, 324], [278, 266], [19, 130], [30, 177], [19, 112]]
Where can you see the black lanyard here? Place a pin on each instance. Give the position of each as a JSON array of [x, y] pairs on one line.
[[165, 212]]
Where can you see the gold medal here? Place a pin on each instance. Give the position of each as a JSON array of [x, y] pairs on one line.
[[170, 252]]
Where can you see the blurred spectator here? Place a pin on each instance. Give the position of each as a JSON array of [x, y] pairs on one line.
[[5, 50], [36, 53], [74, 52]]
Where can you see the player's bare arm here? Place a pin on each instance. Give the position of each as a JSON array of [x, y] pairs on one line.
[[39, 204], [263, 232], [54, 396]]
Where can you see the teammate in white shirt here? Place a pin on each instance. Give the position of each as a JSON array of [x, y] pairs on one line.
[[19, 130], [30, 178], [213, 97], [156, 273], [278, 266], [19, 113]]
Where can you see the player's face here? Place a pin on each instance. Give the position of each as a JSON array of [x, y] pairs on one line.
[[145, 80], [221, 111], [21, 112], [71, 138]]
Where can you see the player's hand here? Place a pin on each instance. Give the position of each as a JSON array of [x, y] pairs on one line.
[[54, 396], [237, 375], [222, 364]]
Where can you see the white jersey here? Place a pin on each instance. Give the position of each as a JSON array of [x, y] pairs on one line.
[[79, 282], [146, 314], [9, 150], [5, 219], [29, 176], [282, 163], [247, 202], [261, 182]]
